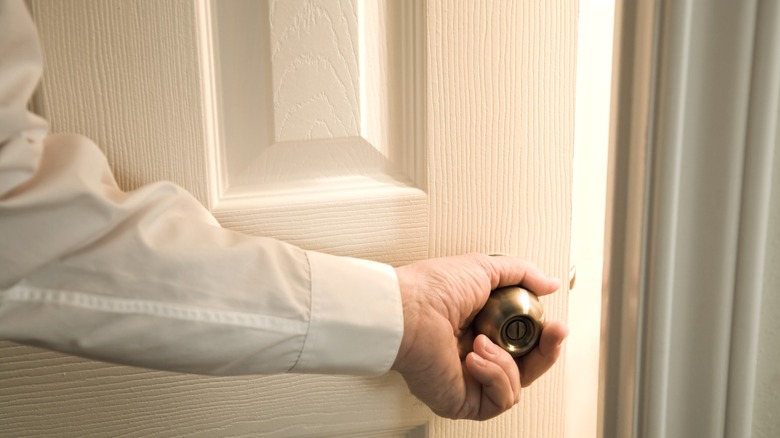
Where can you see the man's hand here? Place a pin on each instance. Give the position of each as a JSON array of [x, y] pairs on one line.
[[444, 365]]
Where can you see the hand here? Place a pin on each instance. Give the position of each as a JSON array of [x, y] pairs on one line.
[[444, 365]]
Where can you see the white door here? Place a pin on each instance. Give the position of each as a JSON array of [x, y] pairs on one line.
[[391, 130]]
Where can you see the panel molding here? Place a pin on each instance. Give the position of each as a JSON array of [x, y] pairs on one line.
[[413, 37], [379, 175], [396, 134]]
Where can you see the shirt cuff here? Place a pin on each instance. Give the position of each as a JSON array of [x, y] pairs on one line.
[[356, 321]]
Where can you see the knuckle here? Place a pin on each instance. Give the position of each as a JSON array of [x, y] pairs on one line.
[[509, 402]]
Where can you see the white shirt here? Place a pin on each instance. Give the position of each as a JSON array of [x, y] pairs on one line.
[[148, 277]]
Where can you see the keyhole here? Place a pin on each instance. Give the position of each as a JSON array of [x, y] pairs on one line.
[[516, 330]]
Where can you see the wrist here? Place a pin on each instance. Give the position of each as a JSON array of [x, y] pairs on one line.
[[409, 309]]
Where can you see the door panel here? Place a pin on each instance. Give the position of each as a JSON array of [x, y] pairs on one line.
[[51, 394], [321, 123], [432, 128]]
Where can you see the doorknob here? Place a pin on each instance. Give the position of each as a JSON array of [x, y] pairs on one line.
[[512, 318]]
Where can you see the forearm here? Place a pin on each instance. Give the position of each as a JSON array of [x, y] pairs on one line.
[[149, 277]]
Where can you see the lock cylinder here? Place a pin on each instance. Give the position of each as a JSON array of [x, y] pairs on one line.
[[513, 318]]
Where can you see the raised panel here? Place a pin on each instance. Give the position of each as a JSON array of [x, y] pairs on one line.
[[320, 121], [316, 90], [392, 220], [314, 62]]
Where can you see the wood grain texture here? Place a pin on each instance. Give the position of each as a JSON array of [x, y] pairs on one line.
[[310, 109], [126, 75], [344, 192], [49, 394], [501, 78], [378, 222], [316, 77]]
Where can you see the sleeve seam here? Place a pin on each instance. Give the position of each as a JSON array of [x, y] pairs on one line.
[[36, 295], [311, 316]]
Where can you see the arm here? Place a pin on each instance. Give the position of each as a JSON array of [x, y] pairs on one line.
[[149, 277]]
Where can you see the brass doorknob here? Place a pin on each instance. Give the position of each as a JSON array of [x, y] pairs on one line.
[[512, 318]]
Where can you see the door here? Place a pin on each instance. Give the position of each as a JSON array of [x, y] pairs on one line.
[[387, 130]]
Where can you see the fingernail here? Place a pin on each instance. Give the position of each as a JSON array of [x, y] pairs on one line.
[[489, 347], [478, 359]]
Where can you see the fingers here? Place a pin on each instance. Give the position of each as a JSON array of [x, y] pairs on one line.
[[484, 347], [497, 372], [541, 358], [510, 271]]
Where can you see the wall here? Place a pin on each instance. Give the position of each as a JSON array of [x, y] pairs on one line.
[[589, 190], [766, 422]]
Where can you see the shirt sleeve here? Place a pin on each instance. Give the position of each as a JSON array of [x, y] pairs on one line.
[[148, 277]]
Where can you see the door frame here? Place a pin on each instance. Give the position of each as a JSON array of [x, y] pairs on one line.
[[677, 159]]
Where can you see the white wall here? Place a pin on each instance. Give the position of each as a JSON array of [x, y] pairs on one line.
[[591, 141], [766, 421]]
